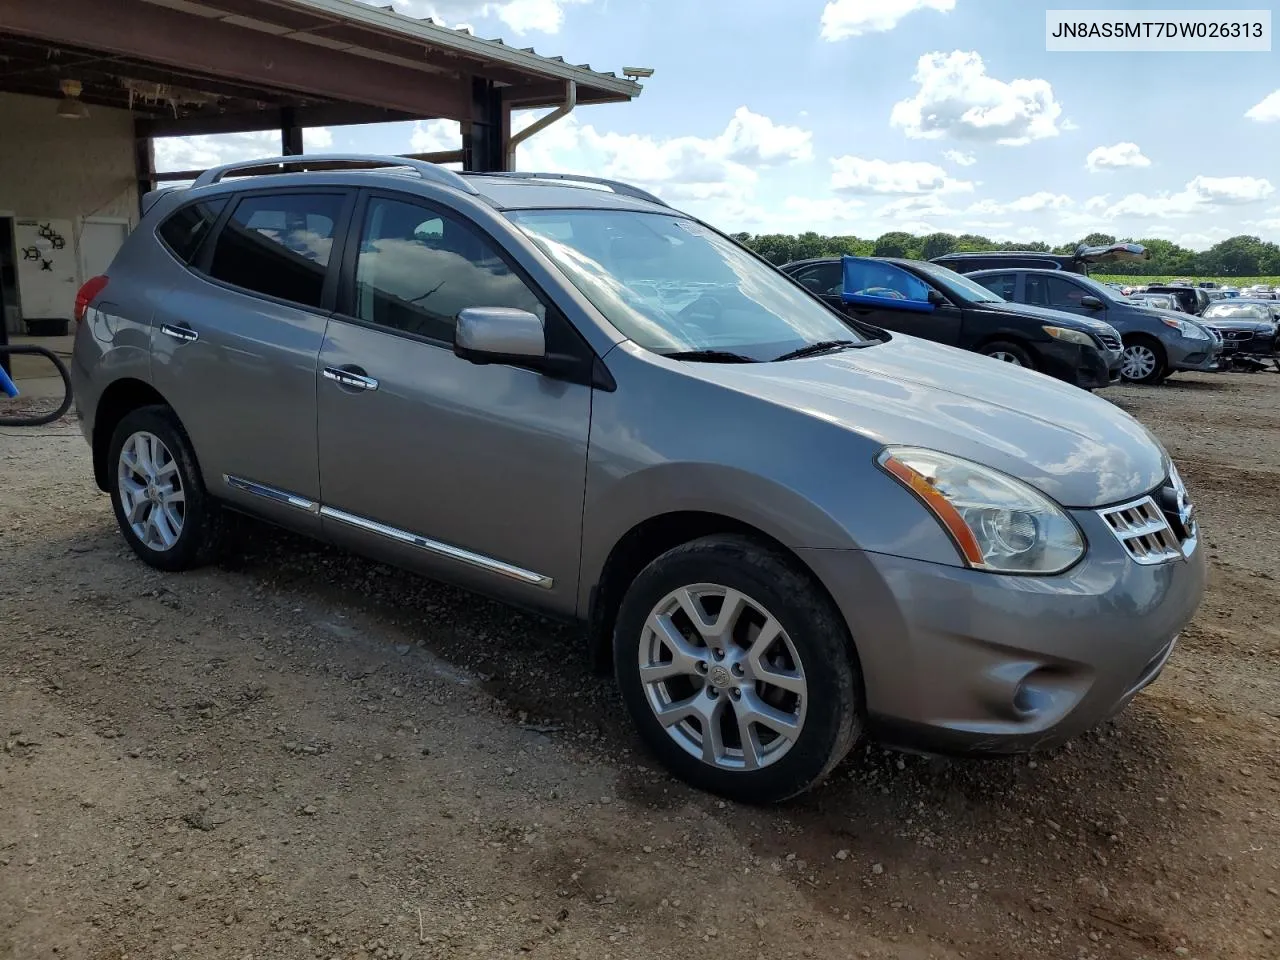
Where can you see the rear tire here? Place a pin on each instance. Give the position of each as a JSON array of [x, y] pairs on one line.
[[1144, 361], [1008, 352], [783, 707], [158, 495]]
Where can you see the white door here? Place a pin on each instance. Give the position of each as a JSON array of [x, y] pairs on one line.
[[46, 268], [99, 241]]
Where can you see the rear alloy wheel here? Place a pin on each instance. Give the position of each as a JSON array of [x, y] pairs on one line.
[[1007, 352], [1142, 362], [737, 670], [160, 502]]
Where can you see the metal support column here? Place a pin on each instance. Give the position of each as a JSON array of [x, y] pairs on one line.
[[290, 134], [484, 138], [144, 162]]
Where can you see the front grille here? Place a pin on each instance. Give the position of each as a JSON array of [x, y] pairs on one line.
[[1237, 335], [1156, 528], [1108, 341]]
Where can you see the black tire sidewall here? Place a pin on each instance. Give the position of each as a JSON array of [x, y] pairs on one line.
[[198, 538], [1004, 346], [833, 716]]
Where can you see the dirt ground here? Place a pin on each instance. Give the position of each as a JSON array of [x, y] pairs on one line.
[[302, 754]]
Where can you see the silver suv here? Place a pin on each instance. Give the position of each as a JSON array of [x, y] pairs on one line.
[[783, 528]]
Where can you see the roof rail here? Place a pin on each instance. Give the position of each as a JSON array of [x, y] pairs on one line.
[[427, 171], [623, 189]]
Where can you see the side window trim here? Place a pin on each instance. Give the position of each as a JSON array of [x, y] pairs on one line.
[[202, 263], [344, 309]]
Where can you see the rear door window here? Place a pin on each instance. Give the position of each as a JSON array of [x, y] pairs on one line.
[[279, 245], [1003, 285], [185, 229]]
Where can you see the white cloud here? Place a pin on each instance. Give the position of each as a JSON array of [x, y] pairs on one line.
[[956, 98], [1202, 241], [858, 175], [1267, 110], [852, 18], [200, 153], [915, 207], [316, 138], [435, 136], [960, 158], [805, 211], [1200, 195], [1032, 203], [519, 16], [1097, 204], [1114, 157]]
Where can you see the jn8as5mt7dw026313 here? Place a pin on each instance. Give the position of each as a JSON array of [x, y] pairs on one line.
[[783, 527]]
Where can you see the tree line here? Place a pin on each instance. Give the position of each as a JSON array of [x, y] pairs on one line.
[[1242, 256]]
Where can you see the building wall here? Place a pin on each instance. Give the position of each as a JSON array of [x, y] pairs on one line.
[[65, 170]]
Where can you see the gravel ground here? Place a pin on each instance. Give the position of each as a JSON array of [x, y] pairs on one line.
[[302, 754]]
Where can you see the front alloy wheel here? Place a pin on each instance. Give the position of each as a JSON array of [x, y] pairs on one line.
[[722, 677], [738, 669]]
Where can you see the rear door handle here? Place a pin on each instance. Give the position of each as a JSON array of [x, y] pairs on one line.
[[349, 378], [183, 332]]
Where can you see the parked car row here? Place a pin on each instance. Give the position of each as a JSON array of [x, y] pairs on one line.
[[784, 527]]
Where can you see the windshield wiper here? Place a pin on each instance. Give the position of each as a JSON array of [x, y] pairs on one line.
[[711, 356], [813, 349]]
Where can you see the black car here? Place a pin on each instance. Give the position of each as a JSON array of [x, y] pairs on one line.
[[1248, 329], [1078, 262], [929, 301]]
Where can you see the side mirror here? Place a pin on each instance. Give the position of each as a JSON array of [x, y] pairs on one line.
[[499, 335], [1090, 302], [937, 299]]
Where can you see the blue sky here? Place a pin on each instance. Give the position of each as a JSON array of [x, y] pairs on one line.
[[861, 116]]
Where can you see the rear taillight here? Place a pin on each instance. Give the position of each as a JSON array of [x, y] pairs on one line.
[[88, 293]]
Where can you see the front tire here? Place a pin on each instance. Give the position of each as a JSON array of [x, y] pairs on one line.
[[1008, 352], [737, 670], [160, 502], [1143, 361]]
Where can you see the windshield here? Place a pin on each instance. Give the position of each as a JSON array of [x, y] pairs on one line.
[[673, 285], [1243, 311], [957, 284]]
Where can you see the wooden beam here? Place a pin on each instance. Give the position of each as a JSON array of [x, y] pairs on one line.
[[161, 35], [334, 115]]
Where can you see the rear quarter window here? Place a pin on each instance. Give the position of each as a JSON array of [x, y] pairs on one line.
[[185, 229]]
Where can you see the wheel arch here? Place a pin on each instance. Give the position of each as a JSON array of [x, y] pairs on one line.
[[649, 539], [118, 400]]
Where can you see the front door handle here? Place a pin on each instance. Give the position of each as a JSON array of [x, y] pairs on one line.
[[350, 378], [182, 332]]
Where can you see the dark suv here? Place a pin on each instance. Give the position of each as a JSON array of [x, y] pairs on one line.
[[930, 301], [1156, 342], [1078, 262]]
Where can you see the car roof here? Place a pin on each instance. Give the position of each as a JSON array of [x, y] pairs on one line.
[[1045, 270]]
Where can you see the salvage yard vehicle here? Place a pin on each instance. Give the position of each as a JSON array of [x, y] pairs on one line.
[[1080, 261], [1156, 342], [782, 529], [1248, 330], [926, 300]]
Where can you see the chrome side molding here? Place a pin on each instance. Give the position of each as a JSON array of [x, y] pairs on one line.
[[270, 493], [439, 549]]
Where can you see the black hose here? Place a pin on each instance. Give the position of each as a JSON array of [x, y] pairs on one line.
[[41, 419]]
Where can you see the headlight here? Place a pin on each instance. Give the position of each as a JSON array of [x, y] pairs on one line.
[[1189, 330], [996, 522], [1070, 336]]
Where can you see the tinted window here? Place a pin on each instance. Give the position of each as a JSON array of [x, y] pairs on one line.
[[279, 245], [822, 278], [186, 229], [417, 270], [873, 278], [1050, 291], [1001, 284]]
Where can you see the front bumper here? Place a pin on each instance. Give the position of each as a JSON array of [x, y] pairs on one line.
[[1085, 367], [1199, 355], [960, 661]]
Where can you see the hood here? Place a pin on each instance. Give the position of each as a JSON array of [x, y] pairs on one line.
[[1112, 253], [1237, 323], [1060, 318], [1166, 314], [1079, 449]]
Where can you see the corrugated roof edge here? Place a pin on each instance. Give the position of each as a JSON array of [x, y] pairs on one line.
[[463, 41]]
